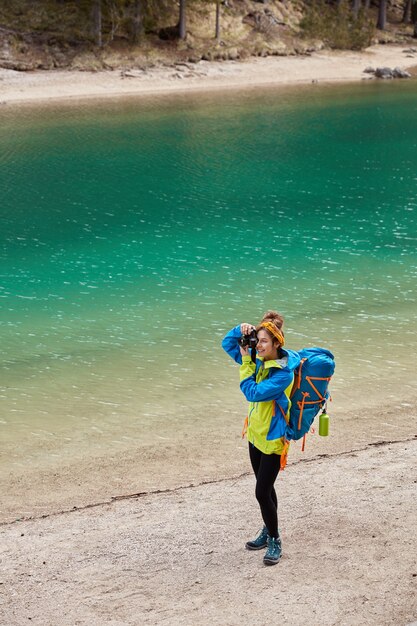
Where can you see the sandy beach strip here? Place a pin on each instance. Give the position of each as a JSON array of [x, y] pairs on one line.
[[49, 480], [320, 67], [348, 529]]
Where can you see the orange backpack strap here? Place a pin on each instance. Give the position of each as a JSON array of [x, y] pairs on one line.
[[284, 455], [320, 396], [301, 406], [245, 427], [304, 443], [297, 378]]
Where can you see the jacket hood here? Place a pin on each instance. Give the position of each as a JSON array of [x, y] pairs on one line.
[[289, 363]]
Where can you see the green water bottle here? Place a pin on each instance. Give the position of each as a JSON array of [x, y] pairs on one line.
[[324, 424]]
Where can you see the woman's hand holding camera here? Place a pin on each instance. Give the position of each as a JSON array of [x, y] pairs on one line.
[[246, 329]]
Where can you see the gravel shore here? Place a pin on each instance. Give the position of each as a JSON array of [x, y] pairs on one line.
[[348, 529]]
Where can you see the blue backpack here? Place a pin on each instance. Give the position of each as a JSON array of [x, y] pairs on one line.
[[310, 390]]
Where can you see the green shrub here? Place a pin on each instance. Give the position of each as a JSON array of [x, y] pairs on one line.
[[337, 25]]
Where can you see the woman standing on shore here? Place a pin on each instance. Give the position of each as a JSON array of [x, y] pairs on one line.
[[266, 384]]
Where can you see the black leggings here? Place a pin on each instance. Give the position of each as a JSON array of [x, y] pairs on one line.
[[266, 468]]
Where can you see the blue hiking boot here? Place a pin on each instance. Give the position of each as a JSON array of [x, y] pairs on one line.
[[260, 541], [274, 551]]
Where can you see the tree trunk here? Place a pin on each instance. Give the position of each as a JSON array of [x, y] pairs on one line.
[[407, 12], [414, 17], [217, 34], [382, 15], [136, 24], [356, 6], [367, 4], [182, 24], [97, 23]]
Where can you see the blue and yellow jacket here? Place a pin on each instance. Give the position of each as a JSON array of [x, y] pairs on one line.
[[267, 386]]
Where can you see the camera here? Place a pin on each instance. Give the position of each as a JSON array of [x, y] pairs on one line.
[[250, 341]]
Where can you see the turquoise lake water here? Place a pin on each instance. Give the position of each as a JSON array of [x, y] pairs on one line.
[[136, 233]]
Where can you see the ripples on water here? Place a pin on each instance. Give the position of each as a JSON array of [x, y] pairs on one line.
[[134, 240]]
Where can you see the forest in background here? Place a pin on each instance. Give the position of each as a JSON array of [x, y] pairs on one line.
[[96, 34]]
